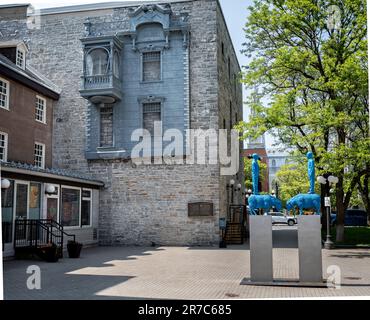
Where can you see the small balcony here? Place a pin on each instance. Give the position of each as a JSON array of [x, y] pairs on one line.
[[103, 88]]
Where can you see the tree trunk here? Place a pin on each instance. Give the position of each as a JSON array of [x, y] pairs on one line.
[[340, 210]]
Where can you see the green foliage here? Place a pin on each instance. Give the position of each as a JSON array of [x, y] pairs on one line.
[[292, 180], [311, 84]]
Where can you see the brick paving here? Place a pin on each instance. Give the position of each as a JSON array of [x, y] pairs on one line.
[[181, 273]]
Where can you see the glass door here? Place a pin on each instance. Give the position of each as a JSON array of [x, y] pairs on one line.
[[21, 210], [52, 205], [21, 200]]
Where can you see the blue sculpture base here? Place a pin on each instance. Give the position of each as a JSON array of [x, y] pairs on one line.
[[305, 201], [264, 202]]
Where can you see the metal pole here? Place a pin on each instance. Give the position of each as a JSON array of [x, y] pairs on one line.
[[328, 243]]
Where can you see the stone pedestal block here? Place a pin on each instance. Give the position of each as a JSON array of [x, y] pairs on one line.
[[309, 245], [260, 229]]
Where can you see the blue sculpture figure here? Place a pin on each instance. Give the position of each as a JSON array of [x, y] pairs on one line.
[[305, 201], [263, 202], [256, 201], [309, 200], [255, 173], [311, 171]]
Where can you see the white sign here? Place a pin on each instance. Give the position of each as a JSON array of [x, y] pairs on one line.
[[327, 202]]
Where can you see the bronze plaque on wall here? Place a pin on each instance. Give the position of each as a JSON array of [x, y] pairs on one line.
[[200, 209]]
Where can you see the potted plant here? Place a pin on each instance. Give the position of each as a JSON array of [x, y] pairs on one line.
[[74, 249], [50, 253]]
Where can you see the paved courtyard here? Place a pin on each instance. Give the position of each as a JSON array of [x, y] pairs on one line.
[[181, 273]]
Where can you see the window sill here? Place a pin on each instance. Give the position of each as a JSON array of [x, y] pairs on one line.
[[151, 82]]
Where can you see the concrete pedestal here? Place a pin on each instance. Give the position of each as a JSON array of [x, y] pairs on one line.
[[260, 240], [309, 245]]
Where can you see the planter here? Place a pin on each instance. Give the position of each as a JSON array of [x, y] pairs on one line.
[[49, 254], [74, 249]]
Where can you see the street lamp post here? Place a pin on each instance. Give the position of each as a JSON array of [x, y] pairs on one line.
[[327, 180], [248, 193]]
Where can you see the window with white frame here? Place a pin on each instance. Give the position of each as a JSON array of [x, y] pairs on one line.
[[151, 66], [86, 207], [21, 60], [39, 155], [76, 207], [4, 94], [40, 109], [3, 146]]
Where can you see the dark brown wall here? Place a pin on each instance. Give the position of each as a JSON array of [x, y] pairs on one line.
[[22, 128]]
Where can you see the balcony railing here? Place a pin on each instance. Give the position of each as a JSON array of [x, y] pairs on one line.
[[101, 85], [98, 81]]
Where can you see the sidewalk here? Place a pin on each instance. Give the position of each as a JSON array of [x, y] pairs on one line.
[[177, 273]]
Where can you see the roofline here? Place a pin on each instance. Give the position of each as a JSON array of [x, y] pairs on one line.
[[228, 33], [23, 78], [52, 176], [101, 6], [10, 5]]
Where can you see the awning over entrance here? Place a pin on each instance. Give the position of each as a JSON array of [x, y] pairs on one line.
[[22, 171]]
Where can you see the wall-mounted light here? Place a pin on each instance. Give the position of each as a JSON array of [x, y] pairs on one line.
[[5, 183], [49, 189]]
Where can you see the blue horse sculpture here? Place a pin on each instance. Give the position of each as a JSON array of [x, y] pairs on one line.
[[264, 202], [305, 201]]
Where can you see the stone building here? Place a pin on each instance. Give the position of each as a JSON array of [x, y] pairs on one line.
[[123, 66]]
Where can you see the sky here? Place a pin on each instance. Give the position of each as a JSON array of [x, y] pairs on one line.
[[235, 12]]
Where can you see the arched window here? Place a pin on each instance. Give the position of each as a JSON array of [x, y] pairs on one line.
[[273, 163], [97, 62]]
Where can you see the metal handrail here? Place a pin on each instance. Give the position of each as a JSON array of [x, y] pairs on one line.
[[33, 233]]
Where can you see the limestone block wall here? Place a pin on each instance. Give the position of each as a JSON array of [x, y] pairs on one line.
[[141, 204]]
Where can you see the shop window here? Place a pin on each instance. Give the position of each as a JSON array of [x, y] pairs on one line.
[[34, 201]]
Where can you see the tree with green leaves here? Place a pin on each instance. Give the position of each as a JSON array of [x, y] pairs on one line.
[[309, 63]]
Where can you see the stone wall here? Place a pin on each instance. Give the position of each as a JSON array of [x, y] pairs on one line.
[[142, 204], [230, 99]]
